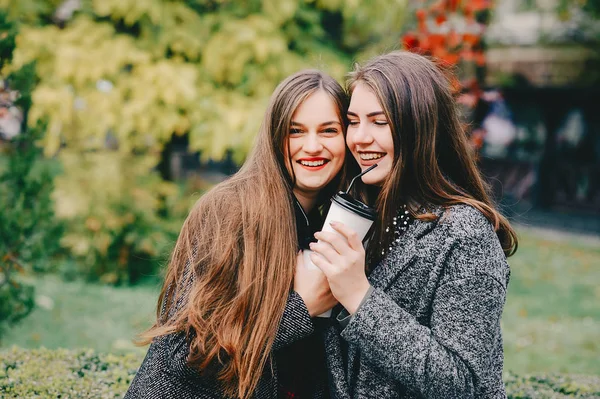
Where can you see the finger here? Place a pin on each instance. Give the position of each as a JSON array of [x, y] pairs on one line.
[[322, 263], [337, 241], [353, 240], [325, 250]]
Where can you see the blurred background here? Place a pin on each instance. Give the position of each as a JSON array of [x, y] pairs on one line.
[[116, 115]]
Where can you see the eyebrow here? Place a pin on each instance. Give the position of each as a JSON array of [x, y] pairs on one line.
[[369, 115], [322, 124]]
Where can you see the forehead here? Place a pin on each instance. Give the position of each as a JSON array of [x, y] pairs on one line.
[[318, 107], [363, 99]]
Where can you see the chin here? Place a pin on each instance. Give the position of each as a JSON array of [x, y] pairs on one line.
[[311, 188], [373, 180]]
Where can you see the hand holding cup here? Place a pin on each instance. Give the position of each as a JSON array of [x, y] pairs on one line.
[[312, 286], [341, 257]]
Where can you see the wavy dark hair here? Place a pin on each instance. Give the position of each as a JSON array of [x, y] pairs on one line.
[[433, 161], [227, 284]]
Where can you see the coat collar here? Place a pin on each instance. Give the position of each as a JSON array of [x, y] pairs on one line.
[[403, 252]]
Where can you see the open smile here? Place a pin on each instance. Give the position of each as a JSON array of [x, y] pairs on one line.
[[313, 164], [368, 158]]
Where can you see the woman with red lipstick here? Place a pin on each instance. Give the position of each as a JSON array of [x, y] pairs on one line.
[[235, 315], [422, 319]]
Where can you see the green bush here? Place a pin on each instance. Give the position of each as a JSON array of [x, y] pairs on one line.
[[43, 373], [29, 233], [62, 373], [552, 386]]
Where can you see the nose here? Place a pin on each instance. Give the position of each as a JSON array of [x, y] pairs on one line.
[[313, 144], [359, 134]]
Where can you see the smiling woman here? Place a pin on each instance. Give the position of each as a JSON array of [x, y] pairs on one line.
[[369, 135], [316, 146], [421, 310], [236, 262]]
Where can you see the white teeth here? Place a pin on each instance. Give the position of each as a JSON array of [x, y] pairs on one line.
[[313, 163], [371, 155]]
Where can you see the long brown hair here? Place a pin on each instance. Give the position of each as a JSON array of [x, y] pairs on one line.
[[433, 162], [227, 284]]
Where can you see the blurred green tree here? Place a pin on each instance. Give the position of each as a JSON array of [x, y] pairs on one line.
[[120, 78], [29, 233]]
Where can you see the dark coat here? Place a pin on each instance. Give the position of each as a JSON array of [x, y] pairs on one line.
[[164, 373], [431, 326]]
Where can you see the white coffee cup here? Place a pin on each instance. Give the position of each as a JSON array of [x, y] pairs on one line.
[[353, 213]]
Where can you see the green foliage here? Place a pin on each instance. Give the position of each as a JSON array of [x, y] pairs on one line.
[[552, 386], [144, 71], [119, 78], [8, 32], [44, 373], [28, 231], [86, 374], [16, 298], [129, 226]]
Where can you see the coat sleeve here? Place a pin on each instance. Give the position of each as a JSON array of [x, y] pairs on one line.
[[295, 323], [452, 356]]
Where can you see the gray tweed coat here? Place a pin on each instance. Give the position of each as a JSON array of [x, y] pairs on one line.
[[164, 373], [431, 326]]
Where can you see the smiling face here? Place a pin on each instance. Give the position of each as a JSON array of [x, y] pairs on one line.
[[369, 136], [316, 146]]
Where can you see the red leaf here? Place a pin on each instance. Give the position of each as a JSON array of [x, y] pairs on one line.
[[478, 5], [471, 38], [480, 59], [410, 41], [453, 39], [424, 43], [450, 58], [437, 40], [469, 13]]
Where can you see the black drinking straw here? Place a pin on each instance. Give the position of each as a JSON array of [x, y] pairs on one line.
[[359, 175]]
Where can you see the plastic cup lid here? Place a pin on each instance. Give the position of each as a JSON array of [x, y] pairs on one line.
[[347, 202]]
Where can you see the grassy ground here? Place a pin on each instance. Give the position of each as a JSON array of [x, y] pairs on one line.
[[79, 315], [552, 316], [551, 319]]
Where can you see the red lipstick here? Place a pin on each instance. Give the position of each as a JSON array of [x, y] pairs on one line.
[[313, 159]]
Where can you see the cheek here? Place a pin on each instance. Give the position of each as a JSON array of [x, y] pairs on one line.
[[340, 149], [291, 148], [388, 141], [350, 140]]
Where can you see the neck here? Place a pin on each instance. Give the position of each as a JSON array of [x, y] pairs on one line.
[[307, 201]]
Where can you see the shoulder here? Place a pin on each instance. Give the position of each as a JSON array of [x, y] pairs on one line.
[[464, 222], [473, 246], [458, 223]]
